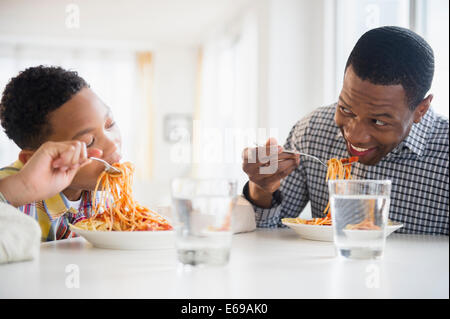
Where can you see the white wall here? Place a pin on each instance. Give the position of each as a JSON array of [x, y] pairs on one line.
[[296, 71], [174, 92], [292, 62], [128, 26]]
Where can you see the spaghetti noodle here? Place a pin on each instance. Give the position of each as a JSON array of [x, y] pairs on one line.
[[337, 169], [116, 209]]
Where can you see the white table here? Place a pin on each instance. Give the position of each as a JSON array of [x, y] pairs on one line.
[[264, 264]]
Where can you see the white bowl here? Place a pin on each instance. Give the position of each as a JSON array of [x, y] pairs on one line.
[[393, 227], [325, 233], [129, 240], [312, 232]]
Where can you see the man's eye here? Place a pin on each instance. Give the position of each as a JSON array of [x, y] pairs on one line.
[[345, 110], [379, 123]]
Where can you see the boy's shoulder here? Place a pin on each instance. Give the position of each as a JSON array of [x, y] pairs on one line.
[[12, 169]]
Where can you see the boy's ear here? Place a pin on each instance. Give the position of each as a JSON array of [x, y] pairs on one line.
[[25, 155]]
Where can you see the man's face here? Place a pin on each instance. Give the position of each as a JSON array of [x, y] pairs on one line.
[[86, 118], [373, 119]]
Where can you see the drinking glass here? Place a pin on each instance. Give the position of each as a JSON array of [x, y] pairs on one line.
[[359, 210], [203, 216]]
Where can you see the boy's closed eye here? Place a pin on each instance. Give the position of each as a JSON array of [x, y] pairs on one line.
[[86, 135], [91, 143]]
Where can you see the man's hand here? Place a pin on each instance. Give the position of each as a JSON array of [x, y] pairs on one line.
[[48, 171], [266, 166]]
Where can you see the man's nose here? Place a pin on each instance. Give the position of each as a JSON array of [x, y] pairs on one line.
[[358, 133]]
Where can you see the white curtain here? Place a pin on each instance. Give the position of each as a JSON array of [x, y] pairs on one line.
[[436, 25], [226, 117], [431, 21]]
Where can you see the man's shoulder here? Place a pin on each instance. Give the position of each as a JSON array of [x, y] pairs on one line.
[[317, 126], [321, 116], [440, 127], [327, 110], [438, 135]]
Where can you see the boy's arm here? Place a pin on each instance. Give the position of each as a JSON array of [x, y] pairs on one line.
[[48, 171], [13, 192]]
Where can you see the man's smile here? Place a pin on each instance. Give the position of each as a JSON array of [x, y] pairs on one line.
[[360, 151]]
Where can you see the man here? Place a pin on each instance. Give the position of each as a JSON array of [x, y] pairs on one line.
[[384, 117]]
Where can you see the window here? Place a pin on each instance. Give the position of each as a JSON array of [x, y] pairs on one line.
[[429, 18], [112, 74], [227, 111], [434, 27]]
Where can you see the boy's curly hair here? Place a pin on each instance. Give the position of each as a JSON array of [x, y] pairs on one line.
[[28, 99]]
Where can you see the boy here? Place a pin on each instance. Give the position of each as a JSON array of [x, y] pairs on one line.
[[44, 106]]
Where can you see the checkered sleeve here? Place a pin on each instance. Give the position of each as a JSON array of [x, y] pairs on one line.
[[292, 196], [3, 199]]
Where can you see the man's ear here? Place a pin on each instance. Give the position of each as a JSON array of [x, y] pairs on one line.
[[422, 108], [25, 155]]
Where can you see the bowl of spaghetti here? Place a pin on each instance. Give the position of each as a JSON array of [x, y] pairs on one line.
[[321, 228], [310, 229], [118, 221], [127, 240]]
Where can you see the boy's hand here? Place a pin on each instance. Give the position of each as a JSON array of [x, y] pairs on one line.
[[48, 171]]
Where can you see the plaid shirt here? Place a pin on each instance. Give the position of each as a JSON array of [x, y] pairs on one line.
[[417, 167], [53, 214]]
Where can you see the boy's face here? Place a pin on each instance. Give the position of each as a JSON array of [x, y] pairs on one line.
[[86, 118]]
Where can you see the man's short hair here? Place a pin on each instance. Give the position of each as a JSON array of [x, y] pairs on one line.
[[28, 99], [393, 55]]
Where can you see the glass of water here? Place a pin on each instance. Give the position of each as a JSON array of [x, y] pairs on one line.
[[359, 211], [203, 219]]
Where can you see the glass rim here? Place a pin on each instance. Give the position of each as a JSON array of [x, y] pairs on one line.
[[361, 181]]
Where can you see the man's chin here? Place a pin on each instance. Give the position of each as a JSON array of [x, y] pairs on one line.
[[367, 159], [369, 162]]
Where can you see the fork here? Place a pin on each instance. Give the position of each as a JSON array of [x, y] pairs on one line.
[[304, 154], [109, 168]]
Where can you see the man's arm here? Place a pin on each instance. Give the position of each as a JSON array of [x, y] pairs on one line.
[[290, 196], [266, 166]]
